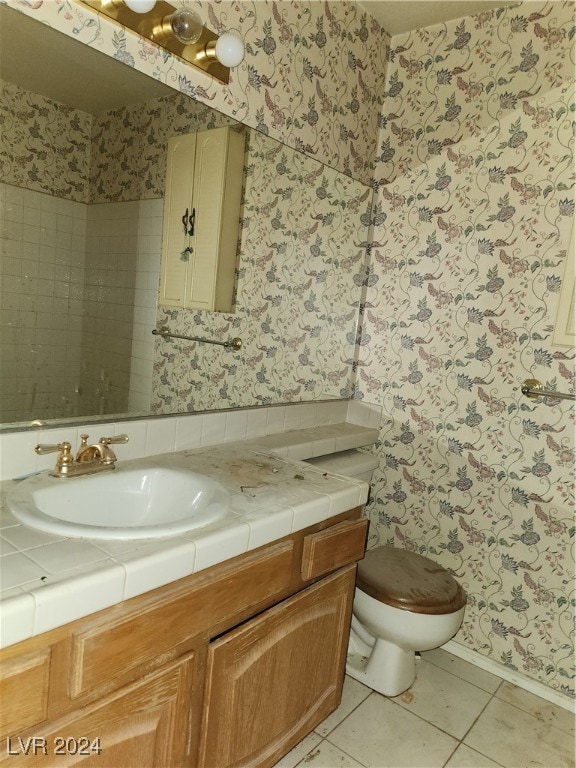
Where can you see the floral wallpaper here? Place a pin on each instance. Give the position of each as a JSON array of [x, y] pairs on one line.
[[139, 134], [312, 75], [472, 223], [43, 146], [465, 130], [302, 259]]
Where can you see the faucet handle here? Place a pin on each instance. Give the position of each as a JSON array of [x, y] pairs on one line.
[[43, 448], [64, 460], [109, 457], [115, 440]]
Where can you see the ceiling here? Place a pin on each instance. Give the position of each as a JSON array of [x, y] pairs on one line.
[[398, 16]]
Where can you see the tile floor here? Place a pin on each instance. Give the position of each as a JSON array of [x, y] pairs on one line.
[[454, 716]]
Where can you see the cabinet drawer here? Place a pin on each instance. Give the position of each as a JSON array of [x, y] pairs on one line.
[[24, 683], [157, 629], [333, 547]]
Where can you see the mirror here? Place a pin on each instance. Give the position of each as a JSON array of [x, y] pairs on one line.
[[84, 164]]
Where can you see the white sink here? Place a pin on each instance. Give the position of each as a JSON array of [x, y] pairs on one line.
[[131, 503]]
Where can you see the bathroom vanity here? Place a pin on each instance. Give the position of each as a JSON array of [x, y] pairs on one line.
[[231, 665]]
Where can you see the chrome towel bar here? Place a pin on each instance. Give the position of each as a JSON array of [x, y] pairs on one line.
[[532, 388], [234, 343]]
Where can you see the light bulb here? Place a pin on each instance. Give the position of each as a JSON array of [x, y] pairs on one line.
[[186, 26], [229, 49], [140, 6]]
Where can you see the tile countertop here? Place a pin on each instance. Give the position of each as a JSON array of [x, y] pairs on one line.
[[48, 581]]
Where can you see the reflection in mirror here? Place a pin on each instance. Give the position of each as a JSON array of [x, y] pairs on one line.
[[82, 194]]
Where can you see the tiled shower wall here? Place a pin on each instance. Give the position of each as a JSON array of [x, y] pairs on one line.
[[121, 287], [78, 302], [113, 345], [42, 291], [79, 280]]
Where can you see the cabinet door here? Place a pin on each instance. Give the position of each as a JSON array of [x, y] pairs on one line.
[[24, 684], [181, 153], [272, 680], [145, 725]]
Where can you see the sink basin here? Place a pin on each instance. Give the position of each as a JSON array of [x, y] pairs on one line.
[[126, 503]]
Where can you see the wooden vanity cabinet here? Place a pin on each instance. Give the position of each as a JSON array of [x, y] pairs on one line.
[[230, 666], [276, 677]]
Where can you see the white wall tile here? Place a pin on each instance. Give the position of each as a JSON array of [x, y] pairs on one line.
[[275, 419], [188, 432], [236, 425], [213, 428], [161, 436]]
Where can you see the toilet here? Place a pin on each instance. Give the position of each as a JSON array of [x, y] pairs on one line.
[[403, 602]]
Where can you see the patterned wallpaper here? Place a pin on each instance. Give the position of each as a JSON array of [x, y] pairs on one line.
[[446, 83], [138, 134], [117, 156], [474, 169], [43, 146], [312, 76], [469, 249]]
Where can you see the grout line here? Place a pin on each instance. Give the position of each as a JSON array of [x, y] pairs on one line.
[[492, 697], [370, 692], [348, 754], [439, 666]]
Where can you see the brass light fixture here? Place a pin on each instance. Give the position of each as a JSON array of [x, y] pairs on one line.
[[179, 31]]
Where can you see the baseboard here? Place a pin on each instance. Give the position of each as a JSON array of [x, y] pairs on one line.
[[532, 686]]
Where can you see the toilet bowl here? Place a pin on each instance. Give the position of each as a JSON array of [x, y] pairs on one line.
[[403, 603]]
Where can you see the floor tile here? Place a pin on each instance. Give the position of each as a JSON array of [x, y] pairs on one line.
[[464, 757], [517, 739], [446, 701], [353, 694], [543, 710], [469, 672], [380, 734], [299, 752], [326, 755]]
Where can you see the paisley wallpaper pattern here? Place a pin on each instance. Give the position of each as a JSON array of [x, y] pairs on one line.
[[475, 206]]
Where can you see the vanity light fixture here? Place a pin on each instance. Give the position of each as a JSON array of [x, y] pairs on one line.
[[179, 31]]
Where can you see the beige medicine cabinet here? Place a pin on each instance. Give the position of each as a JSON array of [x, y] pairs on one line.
[[204, 178]]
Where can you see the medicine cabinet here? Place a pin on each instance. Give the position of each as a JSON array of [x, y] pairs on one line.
[[204, 178]]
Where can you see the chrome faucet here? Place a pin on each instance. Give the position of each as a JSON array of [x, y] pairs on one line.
[[89, 458]]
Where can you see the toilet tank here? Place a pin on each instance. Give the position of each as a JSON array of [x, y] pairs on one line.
[[352, 463]]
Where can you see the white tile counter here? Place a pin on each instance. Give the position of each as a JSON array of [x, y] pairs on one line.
[[48, 581]]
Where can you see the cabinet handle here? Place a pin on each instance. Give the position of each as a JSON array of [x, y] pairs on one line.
[[191, 221], [185, 222]]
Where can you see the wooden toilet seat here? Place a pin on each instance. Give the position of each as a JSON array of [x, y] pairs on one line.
[[409, 581]]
